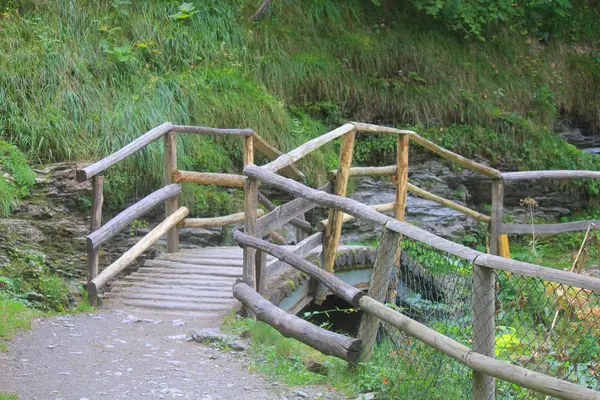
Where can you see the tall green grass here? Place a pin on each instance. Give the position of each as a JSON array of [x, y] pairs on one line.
[[80, 80]]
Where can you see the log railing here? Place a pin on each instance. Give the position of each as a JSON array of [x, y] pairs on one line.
[[342, 210], [485, 367], [169, 195]]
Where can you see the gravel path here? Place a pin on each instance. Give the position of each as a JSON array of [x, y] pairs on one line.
[[126, 354]]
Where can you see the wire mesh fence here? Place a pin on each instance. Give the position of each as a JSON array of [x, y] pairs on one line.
[[546, 327]]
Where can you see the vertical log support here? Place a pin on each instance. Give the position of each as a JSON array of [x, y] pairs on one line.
[[250, 215], [95, 223], [171, 205], [399, 205], [378, 289], [300, 234], [484, 296], [331, 239]]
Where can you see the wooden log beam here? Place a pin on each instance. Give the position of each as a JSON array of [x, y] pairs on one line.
[[216, 221], [541, 229], [378, 289], [209, 178], [331, 239], [250, 206], [477, 362], [212, 131], [553, 174], [132, 254], [338, 287], [448, 203], [273, 153], [296, 222], [95, 223], [277, 238], [447, 154], [401, 177], [289, 325], [321, 225], [367, 171], [301, 249], [137, 210], [286, 213], [91, 170], [363, 212], [301, 151], [172, 203]]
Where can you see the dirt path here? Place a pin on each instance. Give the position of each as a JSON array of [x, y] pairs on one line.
[[125, 354]]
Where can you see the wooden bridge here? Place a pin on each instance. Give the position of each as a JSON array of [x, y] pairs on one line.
[[203, 281]]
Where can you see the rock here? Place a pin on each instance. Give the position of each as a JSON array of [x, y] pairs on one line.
[[299, 393], [366, 396], [33, 296], [214, 335], [316, 367]]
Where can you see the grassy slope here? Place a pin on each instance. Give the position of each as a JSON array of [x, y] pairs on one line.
[[80, 80]]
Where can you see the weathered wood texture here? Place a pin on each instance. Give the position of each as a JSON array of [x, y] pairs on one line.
[[477, 362], [538, 271], [277, 238], [401, 177], [209, 178], [301, 234], [212, 131], [366, 171], [553, 174], [327, 342], [378, 289], [448, 203], [250, 206], [363, 212], [95, 223], [132, 254], [301, 249], [331, 239], [483, 300], [301, 151], [321, 225], [541, 229], [337, 286], [86, 173], [391, 170], [273, 221], [287, 212], [447, 154], [217, 221], [172, 203], [273, 153], [137, 210], [503, 246]]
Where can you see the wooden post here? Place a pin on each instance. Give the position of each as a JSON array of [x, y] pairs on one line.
[[503, 246], [300, 234], [95, 223], [484, 296], [250, 215], [378, 289], [331, 239], [172, 204], [399, 205]]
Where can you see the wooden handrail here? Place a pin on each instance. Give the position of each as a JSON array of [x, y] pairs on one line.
[[133, 253], [209, 178], [301, 151], [272, 153], [363, 212], [548, 228], [366, 171], [212, 131], [133, 212], [321, 225], [217, 221], [552, 174], [91, 170]]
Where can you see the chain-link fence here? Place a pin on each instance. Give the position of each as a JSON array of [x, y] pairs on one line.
[[546, 327]]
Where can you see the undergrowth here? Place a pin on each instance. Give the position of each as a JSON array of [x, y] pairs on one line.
[[17, 177], [82, 80]]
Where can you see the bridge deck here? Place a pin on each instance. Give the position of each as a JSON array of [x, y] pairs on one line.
[[198, 282], [192, 282]]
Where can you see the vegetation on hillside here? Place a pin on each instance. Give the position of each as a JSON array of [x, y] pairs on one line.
[[82, 79]]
